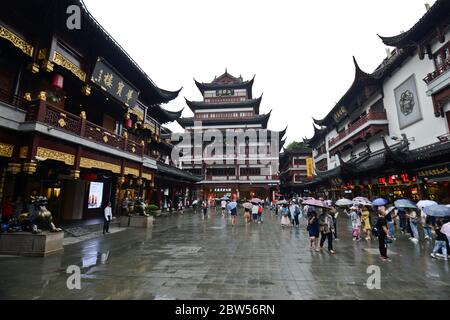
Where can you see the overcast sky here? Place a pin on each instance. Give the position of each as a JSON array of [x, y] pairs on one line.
[[300, 51]]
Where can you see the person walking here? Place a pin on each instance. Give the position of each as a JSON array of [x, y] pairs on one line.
[[356, 223], [440, 243], [233, 213], [390, 217], [402, 217], [255, 209], [413, 217], [108, 217], [247, 216], [260, 213], [326, 230], [285, 221], [313, 229], [334, 214], [382, 233], [427, 223], [223, 204], [365, 215], [205, 209]]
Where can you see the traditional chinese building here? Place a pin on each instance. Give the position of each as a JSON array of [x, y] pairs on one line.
[[228, 104], [294, 171], [80, 121], [389, 133]]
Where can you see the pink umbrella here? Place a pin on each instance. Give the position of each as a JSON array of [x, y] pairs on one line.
[[446, 229], [316, 203], [256, 200]]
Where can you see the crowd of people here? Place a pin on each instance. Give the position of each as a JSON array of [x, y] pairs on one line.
[[368, 222]]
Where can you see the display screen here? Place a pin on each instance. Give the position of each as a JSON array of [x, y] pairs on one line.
[[95, 195]]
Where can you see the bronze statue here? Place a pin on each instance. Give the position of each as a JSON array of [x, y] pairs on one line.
[[39, 217]]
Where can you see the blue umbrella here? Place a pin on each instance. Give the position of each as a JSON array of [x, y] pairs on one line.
[[231, 205], [380, 202], [437, 210], [405, 203]]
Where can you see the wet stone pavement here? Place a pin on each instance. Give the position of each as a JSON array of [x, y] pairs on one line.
[[184, 257]]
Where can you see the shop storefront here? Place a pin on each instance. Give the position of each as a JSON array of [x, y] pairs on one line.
[[436, 182]]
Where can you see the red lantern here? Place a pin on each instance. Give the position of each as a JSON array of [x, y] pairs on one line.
[[128, 123], [58, 81]]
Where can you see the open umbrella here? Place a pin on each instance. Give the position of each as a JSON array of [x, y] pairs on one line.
[[446, 229], [362, 200], [404, 203], [282, 202], [316, 203], [380, 202], [194, 202], [437, 210], [344, 202], [256, 200], [247, 205], [226, 198], [232, 205], [425, 203]]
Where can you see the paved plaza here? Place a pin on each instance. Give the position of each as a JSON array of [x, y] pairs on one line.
[[184, 257]]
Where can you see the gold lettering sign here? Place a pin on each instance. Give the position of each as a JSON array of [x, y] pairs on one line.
[[147, 176], [309, 167], [91, 163], [17, 41], [59, 59], [6, 150], [45, 153], [132, 171]]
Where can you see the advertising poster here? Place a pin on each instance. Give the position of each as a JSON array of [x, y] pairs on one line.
[[95, 195]]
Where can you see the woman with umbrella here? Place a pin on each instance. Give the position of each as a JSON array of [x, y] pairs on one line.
[[247, 208], [313, 229], [365, 215], [285, 222], [232, 207], [326, 230]]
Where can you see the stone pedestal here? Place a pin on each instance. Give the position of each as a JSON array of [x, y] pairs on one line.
[[32, 245]]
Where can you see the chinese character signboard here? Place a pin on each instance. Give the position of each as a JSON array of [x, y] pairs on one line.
[[341, 112], [439, 171], [107, 78], [309, 167]]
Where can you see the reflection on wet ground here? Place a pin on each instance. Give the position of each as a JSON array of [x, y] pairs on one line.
[[184, 257]]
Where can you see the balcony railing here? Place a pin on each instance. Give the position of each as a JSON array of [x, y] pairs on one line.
[[42, 112], [10, 98], [436, 73], [354, 126]]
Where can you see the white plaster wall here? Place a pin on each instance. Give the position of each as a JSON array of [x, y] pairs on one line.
[[426, 130]]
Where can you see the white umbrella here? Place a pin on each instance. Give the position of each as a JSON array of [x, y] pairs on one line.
[[446, 229], [425, 203], [344, 202]]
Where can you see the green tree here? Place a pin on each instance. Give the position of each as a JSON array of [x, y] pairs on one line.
[[296, 145]]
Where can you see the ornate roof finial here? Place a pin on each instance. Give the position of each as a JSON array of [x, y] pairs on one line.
[[226, 71]]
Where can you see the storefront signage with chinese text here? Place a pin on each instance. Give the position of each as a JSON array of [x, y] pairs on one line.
[[112, 82]]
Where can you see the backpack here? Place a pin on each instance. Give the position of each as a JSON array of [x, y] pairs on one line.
[[260, 210]]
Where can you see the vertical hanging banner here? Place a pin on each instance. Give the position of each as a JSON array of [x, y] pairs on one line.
[[111, 81], [309, 167]]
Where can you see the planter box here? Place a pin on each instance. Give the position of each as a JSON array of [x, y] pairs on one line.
[[32, 245], [141, 222], [124, 221]]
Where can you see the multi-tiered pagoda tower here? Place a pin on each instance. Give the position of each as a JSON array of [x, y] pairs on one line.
[[228, 104]]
